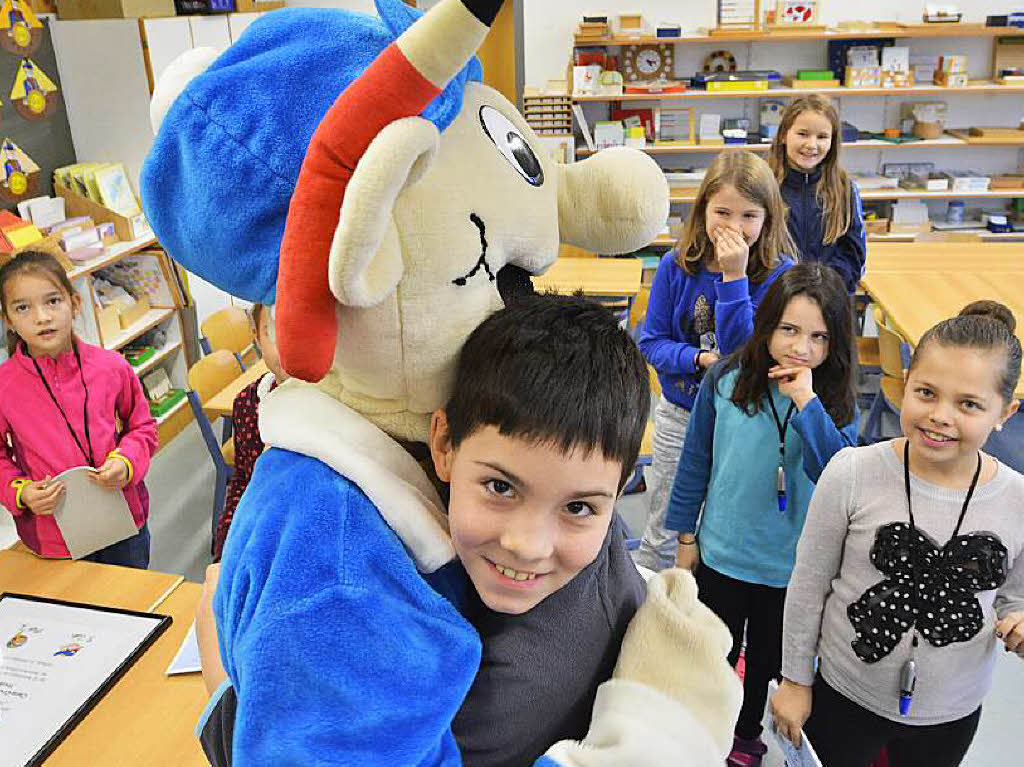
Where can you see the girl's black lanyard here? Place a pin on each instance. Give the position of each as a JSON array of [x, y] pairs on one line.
[[908, 674], [782, 426], [85, 405]]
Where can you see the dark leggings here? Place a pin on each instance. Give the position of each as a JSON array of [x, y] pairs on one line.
[[846, 735], [758, 609], [131, 552]]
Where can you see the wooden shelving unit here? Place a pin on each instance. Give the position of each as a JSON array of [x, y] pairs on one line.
[[980, 87], [946, 142], [977, 87], [902, 31], [901, 194]]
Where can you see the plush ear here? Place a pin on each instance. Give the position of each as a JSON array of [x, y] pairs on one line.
[[613, 202], [173, 80], [366, 257]]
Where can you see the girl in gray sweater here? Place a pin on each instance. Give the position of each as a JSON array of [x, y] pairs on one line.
[[910, 569]]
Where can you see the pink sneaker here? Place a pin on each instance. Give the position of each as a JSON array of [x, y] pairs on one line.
[[746, 753]]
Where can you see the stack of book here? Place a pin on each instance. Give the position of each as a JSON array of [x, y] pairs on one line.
[[592, 29]]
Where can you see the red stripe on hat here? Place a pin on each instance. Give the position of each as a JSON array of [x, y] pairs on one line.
[[305, 321]]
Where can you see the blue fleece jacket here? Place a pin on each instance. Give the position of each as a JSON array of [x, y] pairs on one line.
[[317, 593], [848, 254], [730, 464], [689, 313]]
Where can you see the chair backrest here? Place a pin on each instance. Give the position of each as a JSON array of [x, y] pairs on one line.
[[228, 329], [212, 373], [639, 309], [889, 341]]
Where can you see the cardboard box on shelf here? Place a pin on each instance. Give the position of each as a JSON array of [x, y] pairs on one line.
[[127, 228], [113, 9]]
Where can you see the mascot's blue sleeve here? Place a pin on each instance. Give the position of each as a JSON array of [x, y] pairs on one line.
[[339, 652]]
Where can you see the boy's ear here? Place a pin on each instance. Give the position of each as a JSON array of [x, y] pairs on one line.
[[441, 445]]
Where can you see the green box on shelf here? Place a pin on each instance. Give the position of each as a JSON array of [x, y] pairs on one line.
[[158, 409], [139, 355], [815, 74]]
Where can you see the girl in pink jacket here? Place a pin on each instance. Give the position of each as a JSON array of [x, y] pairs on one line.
[[65, 403]]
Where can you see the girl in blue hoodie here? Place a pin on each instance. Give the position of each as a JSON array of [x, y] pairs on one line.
[[702, 305], [823, 207], [765, 424]]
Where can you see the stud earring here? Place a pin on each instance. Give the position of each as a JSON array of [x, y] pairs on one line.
[[999, 427]]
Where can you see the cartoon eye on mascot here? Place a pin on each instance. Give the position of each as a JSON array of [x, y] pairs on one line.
[[354, 172]]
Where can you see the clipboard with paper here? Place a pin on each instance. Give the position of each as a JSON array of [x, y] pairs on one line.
[[91, 517]]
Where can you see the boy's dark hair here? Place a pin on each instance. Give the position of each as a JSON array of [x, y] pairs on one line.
[[984, 325], [554, 369], [833, 378]]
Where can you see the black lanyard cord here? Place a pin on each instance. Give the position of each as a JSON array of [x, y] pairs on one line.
[[85, 405], [913, 526], [782, 426]]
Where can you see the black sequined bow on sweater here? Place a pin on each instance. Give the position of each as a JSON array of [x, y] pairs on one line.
[[947, 579]]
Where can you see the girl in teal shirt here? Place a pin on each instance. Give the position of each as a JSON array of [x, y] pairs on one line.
[[790, 385]]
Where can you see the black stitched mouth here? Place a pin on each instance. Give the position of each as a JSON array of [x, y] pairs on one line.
[[482, 261]]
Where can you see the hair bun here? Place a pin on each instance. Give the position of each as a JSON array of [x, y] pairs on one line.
[[993, 310]]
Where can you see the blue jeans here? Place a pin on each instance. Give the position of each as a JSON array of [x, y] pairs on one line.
[[131, 552]]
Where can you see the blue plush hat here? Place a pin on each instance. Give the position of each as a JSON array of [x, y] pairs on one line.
[[219, 177]]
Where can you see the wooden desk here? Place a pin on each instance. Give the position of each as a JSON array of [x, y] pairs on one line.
[[148, 718], [916, 300], [600, 277], [220, 404], [123, 587], [945, 256]]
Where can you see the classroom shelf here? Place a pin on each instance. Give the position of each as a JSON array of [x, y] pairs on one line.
[[903, 194], [980, 87], [157, 358], [149, 320], [166, 416], [111, 255], [901, 31], [949, 142]]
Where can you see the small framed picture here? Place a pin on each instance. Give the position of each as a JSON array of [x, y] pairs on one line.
[[797, 13]]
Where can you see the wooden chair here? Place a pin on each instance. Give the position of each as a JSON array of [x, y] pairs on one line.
[[206, 378], [891, 384], [228, 329]]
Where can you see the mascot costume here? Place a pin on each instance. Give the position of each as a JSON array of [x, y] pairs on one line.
[[354, 172]]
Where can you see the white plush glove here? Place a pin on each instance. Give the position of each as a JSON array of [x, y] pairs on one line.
[[673, 698]]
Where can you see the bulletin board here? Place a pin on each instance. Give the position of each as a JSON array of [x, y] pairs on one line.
[[35, 136]]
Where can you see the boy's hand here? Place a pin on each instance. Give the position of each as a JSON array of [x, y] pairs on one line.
[[795, 383], [707, 359], [1011, 630], [731, 252], [206, 633], [42, 497], [791, 706], [113, 474], [688, 555]]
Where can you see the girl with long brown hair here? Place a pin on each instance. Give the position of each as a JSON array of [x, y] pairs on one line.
[[823, 206], [702, 304]]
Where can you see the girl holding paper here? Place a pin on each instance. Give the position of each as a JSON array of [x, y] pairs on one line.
[[65, 404]]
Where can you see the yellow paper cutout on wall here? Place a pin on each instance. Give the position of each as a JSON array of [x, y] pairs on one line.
[[18, 172], [30, 79], [13, 12], [21, 32]]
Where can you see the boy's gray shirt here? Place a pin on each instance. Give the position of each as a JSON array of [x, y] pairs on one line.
[[860, 491]]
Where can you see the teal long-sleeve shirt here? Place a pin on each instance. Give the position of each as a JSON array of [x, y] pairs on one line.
[[730, 465]]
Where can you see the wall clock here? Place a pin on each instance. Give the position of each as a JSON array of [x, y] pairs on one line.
[[647, 62]]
